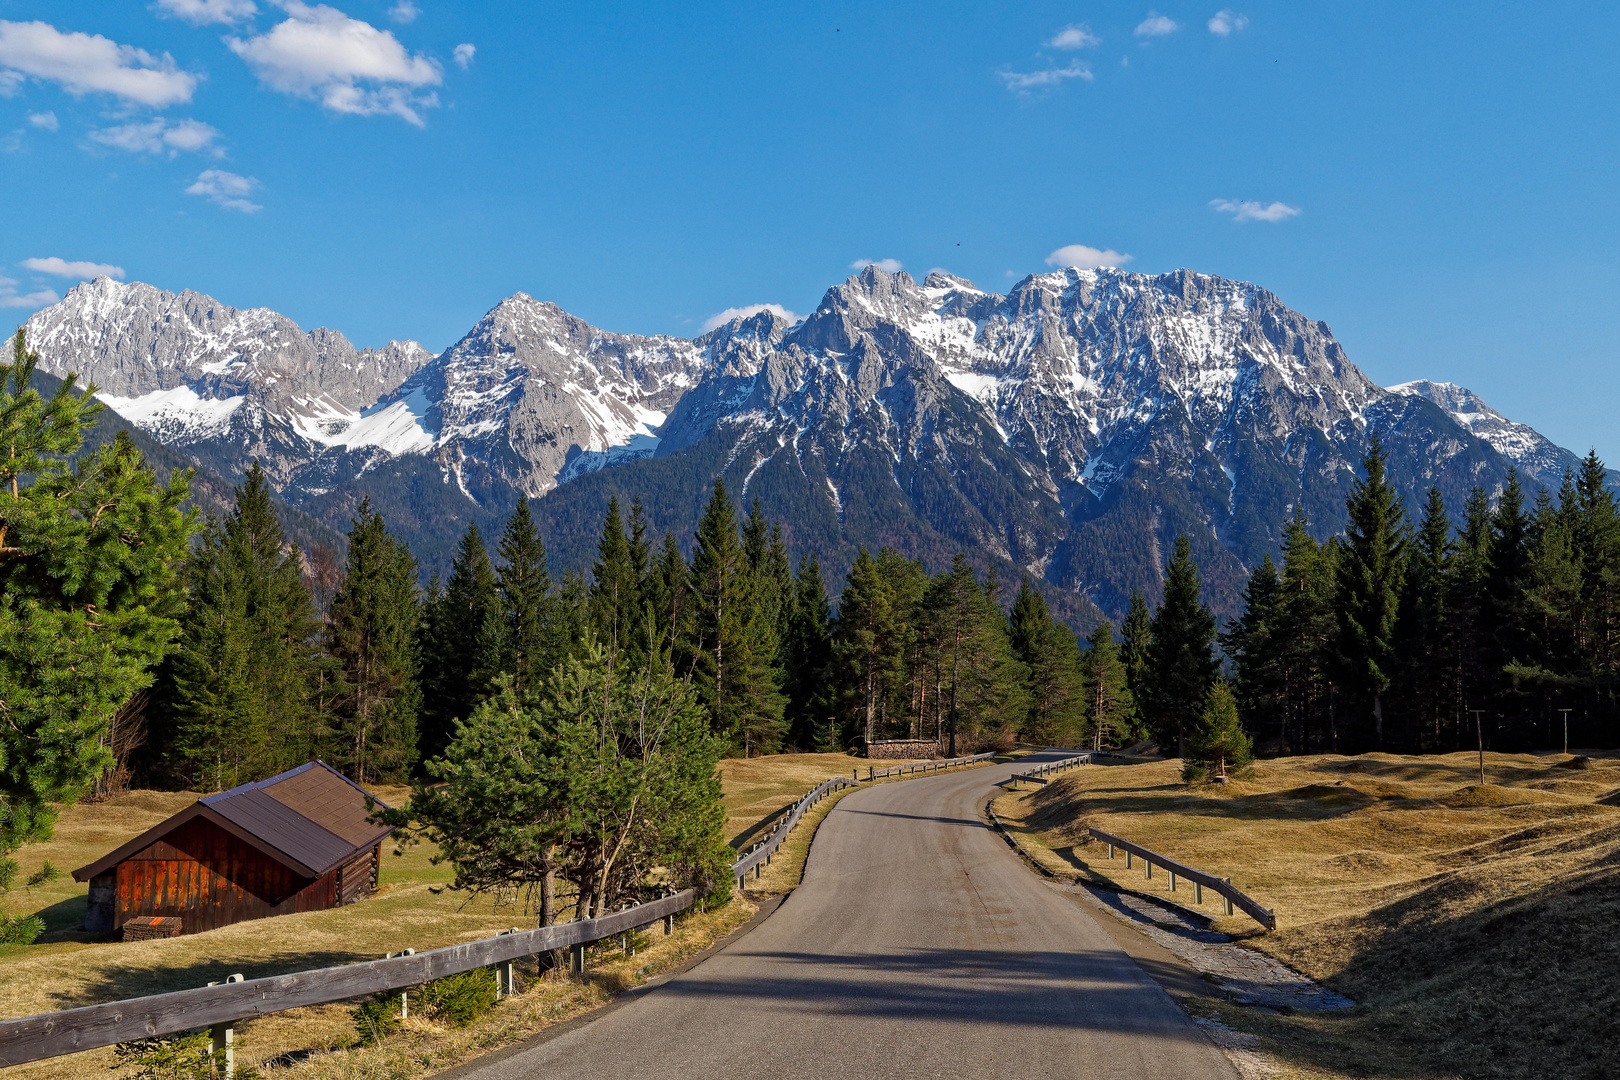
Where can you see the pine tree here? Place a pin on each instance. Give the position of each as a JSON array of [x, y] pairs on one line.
[[372, 632], [1369, 587], [1506, 579], [1217, 746], [462, 643], [1423, 630], [530, 646], [1304, 630], [89, 592], [1181, 664], [1108, 705], [1251, 645], [244, 667], [615, 586]]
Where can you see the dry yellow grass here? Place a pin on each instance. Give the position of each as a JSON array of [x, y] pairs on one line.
[[757, 788], [1475, 924]]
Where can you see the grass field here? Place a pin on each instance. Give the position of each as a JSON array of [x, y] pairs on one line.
[[1474, 923], [412, 908]]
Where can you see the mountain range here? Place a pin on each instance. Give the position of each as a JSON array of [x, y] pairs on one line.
[[1067, 430]]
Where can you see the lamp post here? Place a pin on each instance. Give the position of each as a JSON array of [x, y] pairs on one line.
[[1566, 729]]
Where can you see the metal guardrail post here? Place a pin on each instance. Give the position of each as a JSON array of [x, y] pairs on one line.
[[505, 980], [222, 1039]]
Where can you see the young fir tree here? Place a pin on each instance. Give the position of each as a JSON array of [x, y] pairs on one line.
[[666, 590], [1217, 747], [1251, 645], [1135, 635], [1304, 632], [1181, 663], [461, 643], [1369, 588], [1048, 649], [372, 634], [530, 645], [807, 659], [1108, 706], [242, 674], [89, 592], [716, 616]]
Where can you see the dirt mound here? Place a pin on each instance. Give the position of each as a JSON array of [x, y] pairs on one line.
[[1579, 761], [1479, 796], [1369, 862]]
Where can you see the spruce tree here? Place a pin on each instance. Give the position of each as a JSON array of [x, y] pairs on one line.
[[1047, 648], [89, 592], [1369, 588], [462, 642], [372, 633], [243, 671], [865, 646], [807, 657], [1108, 706], [1217, 747], [1423, 631], [1251, 645], [1181, 663], [615, 586], [1136, 634], [715, 618], [530, 649], [1304, 631], [1506, 579]]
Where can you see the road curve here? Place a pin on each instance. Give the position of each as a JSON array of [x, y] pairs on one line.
[[917, 946]]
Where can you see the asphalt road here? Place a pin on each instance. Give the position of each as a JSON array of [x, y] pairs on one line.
[[918, 945]]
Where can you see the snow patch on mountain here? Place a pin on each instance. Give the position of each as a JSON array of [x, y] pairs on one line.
[[178, 416]]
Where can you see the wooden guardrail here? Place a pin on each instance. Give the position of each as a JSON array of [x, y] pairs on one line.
[[1201, 880], [34, 1038], [873, 773]]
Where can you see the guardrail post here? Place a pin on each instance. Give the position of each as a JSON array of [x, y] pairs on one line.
[[1198, 892], [1110, 851], [1228, 899], [576, 958], [505, 980], [222, 1037], [1148, 863], [1127, 858], [1172, 881]]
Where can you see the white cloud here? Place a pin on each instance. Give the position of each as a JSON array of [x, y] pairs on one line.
[[226, 189], [321, 54], [1156, 25], [1082, 257], [56, 267], [1024, 81], [1227, 21], [199, 12], [90, 63], [9, 297], [404, 12], [1074, 36], [1249, 210], [720, 318], [46, 120], [888, 266], [158, 136], [464, 55]]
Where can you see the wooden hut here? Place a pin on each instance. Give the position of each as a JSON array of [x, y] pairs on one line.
[[295, 842]]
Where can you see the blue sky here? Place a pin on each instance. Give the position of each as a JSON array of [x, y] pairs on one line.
[[1436, 183]]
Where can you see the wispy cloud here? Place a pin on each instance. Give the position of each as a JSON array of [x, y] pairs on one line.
[[202, 12], [158, 136], [404, 12], [45, 120], [1082, 257], [1156, 25], [347, 65], [720, 318], [63, 268], [226, 189], [11, 298], [464, 55], [1022, 82], [1074, 36], [1249, 210], [888, 266], [1226, 22], [90, 63]]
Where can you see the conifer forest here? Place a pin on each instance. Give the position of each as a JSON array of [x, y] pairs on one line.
[[142, 642]]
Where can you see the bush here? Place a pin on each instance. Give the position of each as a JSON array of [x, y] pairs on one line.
[[458, 1000], [376, 1018], [177, 1057]]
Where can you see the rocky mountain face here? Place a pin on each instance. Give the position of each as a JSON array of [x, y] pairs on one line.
[[1068, 430]]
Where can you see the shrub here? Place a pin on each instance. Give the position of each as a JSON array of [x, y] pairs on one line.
[[177, 1057], [458, 1000], [376, 1018]]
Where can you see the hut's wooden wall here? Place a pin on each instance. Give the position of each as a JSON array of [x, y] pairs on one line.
[[209, 879]]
